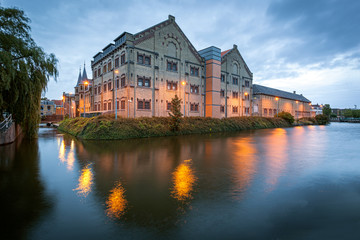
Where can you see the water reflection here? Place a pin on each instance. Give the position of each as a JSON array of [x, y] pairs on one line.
[[183, 181], [66, 154], [116, 202], [85, 181]]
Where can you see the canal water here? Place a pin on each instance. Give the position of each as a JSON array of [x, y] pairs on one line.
[[292, 183]]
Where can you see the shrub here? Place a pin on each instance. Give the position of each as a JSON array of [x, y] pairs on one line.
[[322, 119], [286, 116]]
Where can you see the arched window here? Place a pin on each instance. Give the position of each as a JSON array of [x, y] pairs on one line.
[[171, 50], [235, 68]]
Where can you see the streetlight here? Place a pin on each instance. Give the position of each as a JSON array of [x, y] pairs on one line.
[[85, 84], [128, 108], [184, 84], [115, 87], [277, 99], [244, 104]]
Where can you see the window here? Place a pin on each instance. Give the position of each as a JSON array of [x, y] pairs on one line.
[[194, 107], [142, 104], [109, 86], [194, 71], [172, 85], [123, 81], [270, 111], [222, 93], [235, 94], [147, 60], [117, 83], [48, 108], [95, 90], [265, 111], [109, 105], [105, 106], [222, 108], [235, 109], [275, 111], [105, 87], [247, 110], [247, 97], [99, 106], [109, 66], [147, 82], [171, 66], [247, 83], [194, 89], [81, 88], [99, 72], [122, 59], [116, 62], [76, 90], [117, 104], [81, 96], [222, 78], [168, 106], [122, 104], [140, 81], [42, 107], [140, 59], [99, 89], [235, 81], [104, 69], [235, 68], [143, 82], [95, 108], [95, 74]]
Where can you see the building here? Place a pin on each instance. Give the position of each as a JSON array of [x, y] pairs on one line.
[[316, 109], [69, 104], [59, 107], [139, 74], [83, 94], [267, 102], [47, 108]]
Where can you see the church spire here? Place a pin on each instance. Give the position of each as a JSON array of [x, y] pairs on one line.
[[79, 78], [84, 75]]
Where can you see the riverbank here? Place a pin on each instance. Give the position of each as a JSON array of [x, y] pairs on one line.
[[107, 128]]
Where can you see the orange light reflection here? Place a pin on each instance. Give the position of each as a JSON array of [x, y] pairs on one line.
[[116, 203], [183, 181], [85, 181]]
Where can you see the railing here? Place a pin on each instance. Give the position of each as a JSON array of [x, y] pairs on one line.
[[4, 125]]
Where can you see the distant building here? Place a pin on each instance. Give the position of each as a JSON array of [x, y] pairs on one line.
[[69, 104], [47, 108], [316, 109], [267, 102], [59, 107], [83, 94]]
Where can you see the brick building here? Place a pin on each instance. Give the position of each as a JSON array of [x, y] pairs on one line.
[[268, 102]]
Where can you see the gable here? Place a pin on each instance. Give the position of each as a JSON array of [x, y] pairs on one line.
[[234, 52]]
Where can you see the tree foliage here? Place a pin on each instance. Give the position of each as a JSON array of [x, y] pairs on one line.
[[286, 116], [351, 113], [322, 119], [326, 110], [175, 114], [25, 70]]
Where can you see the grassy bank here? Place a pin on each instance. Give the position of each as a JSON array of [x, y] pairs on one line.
[[105, 127]]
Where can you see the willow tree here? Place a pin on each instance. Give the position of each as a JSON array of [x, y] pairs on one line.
[[25, 70]]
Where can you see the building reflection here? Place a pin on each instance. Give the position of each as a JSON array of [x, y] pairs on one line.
[[276, 156], [116, 202], [244, 162], [183, 181], [85, 181], [66, 152]]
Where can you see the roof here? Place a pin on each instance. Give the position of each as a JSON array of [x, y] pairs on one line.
[[258, 89], [58, 102], [79, 78], [224, 52]]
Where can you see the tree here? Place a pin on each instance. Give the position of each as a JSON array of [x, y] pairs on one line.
[[326, 110], [286, 116], [175, 114], [25, 70]]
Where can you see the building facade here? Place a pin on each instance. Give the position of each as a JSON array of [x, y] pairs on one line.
[[47, 108], [83, 94], [140, 73], [267, 102]]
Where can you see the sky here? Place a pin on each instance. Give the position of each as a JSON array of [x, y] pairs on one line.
[[308, 46]]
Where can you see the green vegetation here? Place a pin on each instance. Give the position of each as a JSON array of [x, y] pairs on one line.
[[25, 70], [286, 116], [326, 110], [351, 113], [175, 114], [322, 119], [106, 127]]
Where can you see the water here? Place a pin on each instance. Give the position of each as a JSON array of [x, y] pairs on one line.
[[293, 183]]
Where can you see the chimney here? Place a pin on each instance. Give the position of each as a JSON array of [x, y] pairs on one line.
[[235, 46], [294, 92], [171, 18]]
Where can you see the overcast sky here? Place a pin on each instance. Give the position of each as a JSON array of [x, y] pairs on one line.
[[311, 46]]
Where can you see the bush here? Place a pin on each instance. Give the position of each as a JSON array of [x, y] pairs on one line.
[[286, 116], [322, 119]]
